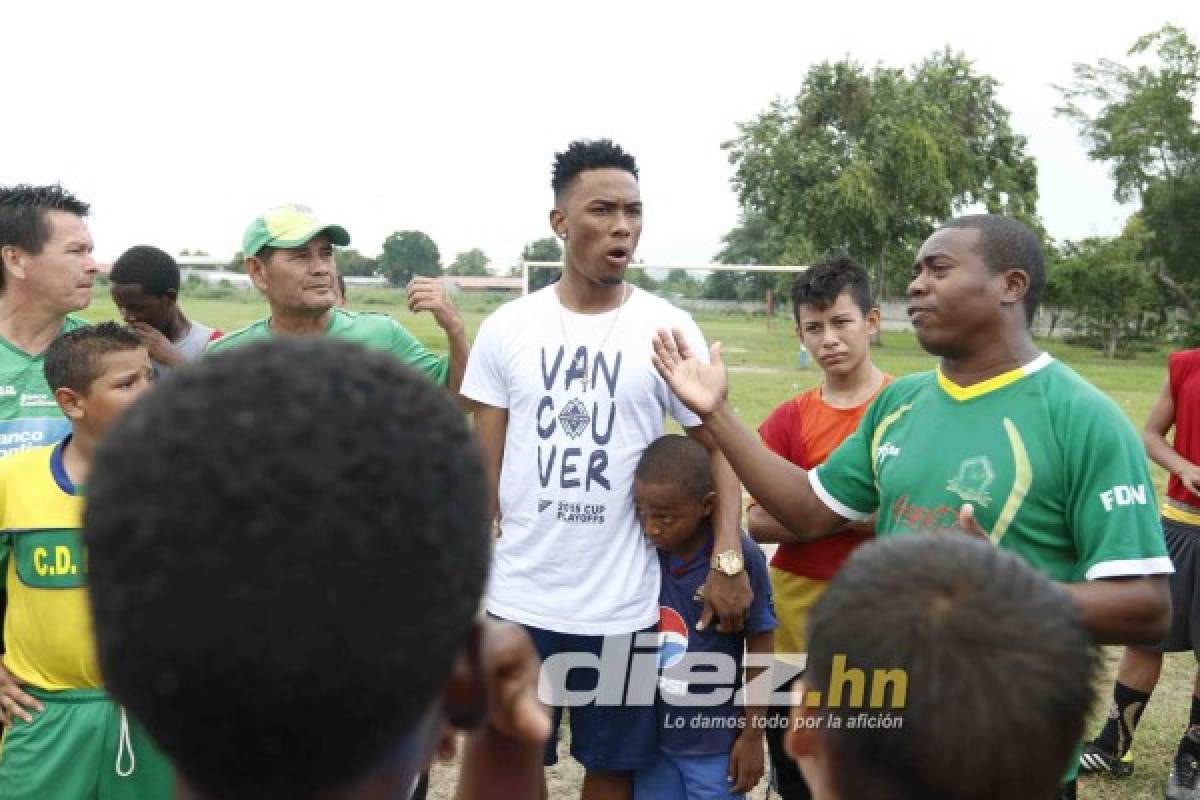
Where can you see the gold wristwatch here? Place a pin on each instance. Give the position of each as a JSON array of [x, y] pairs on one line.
[[728, 562]]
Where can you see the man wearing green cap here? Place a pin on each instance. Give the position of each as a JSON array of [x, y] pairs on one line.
[[289, 257]]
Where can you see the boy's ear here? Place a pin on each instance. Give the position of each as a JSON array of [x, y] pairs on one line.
[[800, 739], [708, 503], [72, 403]]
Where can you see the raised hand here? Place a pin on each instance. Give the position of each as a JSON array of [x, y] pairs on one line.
[[702, 387], [430, 294]]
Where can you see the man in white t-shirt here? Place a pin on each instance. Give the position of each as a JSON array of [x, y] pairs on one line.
[[566, 399]]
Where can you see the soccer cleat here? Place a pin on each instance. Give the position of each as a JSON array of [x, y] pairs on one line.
[[1095, 758], [1184, 781]]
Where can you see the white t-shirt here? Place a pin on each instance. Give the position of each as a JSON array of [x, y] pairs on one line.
[[572, 557]]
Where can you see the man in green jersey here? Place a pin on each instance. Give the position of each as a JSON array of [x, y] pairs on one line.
[[46, 272], [289, 256], [1001, 440]]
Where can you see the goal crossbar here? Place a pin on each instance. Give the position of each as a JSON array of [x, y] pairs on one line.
[[526, 266]]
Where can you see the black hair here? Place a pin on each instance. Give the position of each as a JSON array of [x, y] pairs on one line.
[[1007, 243], [153, 269], [996, 663], [585, 154], [287, 548], [674, 458], [820, 285], [23, 215], [73, 359]]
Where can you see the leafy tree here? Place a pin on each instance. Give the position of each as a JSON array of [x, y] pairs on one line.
[[641, 279], [407, 254], [546, 249], [1110, 290], [237, 263], [870, 160], [679, 282], [1140, 119], [351, 262], [471, 262]]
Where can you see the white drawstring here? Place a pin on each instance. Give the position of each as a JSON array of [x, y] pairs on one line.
[[125, 744]]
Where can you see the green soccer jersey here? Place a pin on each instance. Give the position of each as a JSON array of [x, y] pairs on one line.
[[29, 417], [1053, 468], [371, 330]]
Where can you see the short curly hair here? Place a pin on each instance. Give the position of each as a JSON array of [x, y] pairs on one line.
[[677, 459], [23, 215], [149, 267], [586, 154], [980, 641], [287, 549]]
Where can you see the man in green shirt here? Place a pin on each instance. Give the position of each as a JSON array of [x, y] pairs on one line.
[[1000, 441], [289, 257], [46, 272]]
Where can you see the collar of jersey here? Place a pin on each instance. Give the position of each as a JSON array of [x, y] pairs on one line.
[[59, 470], [964, 393]]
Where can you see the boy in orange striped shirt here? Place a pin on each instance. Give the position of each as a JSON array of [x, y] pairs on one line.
[[835, 319]]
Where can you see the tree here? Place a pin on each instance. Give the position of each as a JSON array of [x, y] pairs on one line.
[[1141, 120], [237, 263], [351, 262], [546, 249], [754, 241], [1110, 290], [641, 279], [472, 262], [407, 254], [679, 283], [870, 160]]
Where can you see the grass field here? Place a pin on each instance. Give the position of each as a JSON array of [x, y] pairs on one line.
[[764, 371]]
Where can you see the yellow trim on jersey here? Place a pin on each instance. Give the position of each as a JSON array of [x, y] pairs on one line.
[[1179, 515], [964, 393], [48, 624], [1021, 482], [880, 429]]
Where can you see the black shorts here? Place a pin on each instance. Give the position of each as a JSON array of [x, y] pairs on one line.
[[1183, 544]]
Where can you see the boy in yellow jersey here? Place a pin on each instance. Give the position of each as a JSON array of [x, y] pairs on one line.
[[64, 737]]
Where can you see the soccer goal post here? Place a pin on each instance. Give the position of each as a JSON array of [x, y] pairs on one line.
[[528, 266]]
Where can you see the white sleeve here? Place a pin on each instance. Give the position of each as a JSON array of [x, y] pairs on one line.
[[695, 339], [485, 380]]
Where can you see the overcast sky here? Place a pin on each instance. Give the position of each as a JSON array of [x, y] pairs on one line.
[[179, 122]]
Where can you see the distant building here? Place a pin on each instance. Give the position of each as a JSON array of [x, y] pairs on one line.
[[481, 283]]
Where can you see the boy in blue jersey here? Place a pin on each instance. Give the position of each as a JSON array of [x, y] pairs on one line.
[[714, 749]]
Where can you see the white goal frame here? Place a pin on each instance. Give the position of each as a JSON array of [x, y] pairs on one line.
[[528, 266]]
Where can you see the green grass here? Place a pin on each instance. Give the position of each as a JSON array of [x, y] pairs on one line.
[[763, 361]]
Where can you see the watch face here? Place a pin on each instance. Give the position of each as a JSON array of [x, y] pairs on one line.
[[729, 562]]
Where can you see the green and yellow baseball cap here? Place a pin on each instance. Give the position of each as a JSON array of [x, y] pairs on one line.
[[288, 226]]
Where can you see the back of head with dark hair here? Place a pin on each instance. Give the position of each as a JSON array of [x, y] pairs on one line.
[[586, 154], [1007, 243], [146, 266], [73, 359], [23, 215], [287, 549], [673, 458], [998, 664], [820, 285]]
